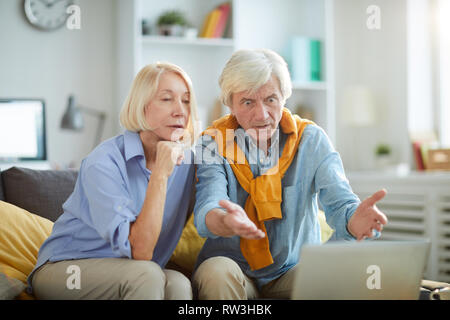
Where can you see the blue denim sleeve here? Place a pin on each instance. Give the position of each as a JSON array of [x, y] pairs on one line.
[[335, 194], [109, 206], [211, 184]]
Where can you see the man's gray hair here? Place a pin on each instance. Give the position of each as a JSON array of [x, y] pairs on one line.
[[248, 70]]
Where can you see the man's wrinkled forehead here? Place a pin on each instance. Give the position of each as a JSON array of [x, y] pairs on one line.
[[269, 88]]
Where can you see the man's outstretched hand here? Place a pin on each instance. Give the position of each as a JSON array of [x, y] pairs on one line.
[[367, 217], [238, 222]]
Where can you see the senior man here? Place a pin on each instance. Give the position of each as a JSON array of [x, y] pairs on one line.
[[260, 172]]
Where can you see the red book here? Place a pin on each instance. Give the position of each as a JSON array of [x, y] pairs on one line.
[[418, 156], [223, 19]]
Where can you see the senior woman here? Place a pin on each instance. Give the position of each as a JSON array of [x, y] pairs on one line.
[[256, 198], [130, 203]]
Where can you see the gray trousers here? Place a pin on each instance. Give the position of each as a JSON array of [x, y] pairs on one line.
[[220, 278], [109, 278]]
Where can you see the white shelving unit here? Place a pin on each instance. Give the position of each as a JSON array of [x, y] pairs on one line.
[[182, 41], [253, 24], [318, 85]]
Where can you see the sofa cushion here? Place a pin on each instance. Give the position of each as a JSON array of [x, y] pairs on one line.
[[188, 248], [21, 235], [10, 287], [42, 192]]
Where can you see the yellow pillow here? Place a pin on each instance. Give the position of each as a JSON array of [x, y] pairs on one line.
[[188, 248], [325, 230], [21, 235]]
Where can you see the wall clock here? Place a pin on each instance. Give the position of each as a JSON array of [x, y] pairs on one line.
[[47, 14]]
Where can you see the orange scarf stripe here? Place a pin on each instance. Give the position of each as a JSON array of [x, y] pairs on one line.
[[265, 191]]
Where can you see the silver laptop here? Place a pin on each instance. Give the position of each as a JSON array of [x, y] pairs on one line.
[[365, 270]]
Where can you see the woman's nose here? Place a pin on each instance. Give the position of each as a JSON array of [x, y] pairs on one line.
[[179, 109]]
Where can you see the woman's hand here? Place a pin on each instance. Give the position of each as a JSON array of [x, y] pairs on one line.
[[168, 154]]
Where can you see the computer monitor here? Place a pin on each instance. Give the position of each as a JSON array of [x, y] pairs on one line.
[[22, 130]]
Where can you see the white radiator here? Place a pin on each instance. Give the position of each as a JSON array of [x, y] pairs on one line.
[[418, 207]]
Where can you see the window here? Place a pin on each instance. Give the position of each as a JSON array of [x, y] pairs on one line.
[[443, 48], [429, 68]]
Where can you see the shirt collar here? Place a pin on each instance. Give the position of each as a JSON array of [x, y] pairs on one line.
[[132, 145], [250, 145]]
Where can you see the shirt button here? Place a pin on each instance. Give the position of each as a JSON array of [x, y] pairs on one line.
[[119, 207]]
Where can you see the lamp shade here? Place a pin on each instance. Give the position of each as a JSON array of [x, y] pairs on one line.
[[72, 119], [359, 106]]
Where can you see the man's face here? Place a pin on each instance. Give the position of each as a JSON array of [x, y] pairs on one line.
[[260, 112]]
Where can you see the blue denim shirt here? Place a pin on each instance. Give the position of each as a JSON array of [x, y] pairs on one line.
[[315, 174], [108, 197]]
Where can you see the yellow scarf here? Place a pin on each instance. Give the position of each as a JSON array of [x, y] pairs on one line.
[[264, 200]]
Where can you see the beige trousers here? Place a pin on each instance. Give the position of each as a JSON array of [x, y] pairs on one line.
[[220, 278], [109, 278]]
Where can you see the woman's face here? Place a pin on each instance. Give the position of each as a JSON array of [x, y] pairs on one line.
[[168, 112]]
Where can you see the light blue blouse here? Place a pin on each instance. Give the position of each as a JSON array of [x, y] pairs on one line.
[[108, 196]]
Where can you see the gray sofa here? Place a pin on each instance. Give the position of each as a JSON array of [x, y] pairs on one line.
[[41, 192]]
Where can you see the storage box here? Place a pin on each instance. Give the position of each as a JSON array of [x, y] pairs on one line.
[[438, 159]]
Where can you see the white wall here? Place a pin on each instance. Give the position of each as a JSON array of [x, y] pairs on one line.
[[378, 60], [51, 65], [272, 23]]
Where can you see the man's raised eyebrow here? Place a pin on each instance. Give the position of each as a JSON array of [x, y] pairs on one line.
[[245, 99]]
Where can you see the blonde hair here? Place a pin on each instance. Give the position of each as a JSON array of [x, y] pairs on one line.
[[144, 88], [248, 70]]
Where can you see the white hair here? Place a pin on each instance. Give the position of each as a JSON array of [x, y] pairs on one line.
[[248, 70]]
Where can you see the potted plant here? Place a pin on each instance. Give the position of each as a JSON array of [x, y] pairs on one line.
[[383, 155], [171, 23]]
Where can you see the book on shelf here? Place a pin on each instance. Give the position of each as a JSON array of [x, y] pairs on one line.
[[219, 31], [423, 141], [216, 21], [205, 24], [213, 23], [417, 150], [304, 59]]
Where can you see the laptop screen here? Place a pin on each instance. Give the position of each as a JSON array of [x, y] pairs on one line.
[[22, 130]]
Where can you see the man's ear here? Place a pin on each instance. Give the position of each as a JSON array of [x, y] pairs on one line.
[[230, 104], [231, 110]]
